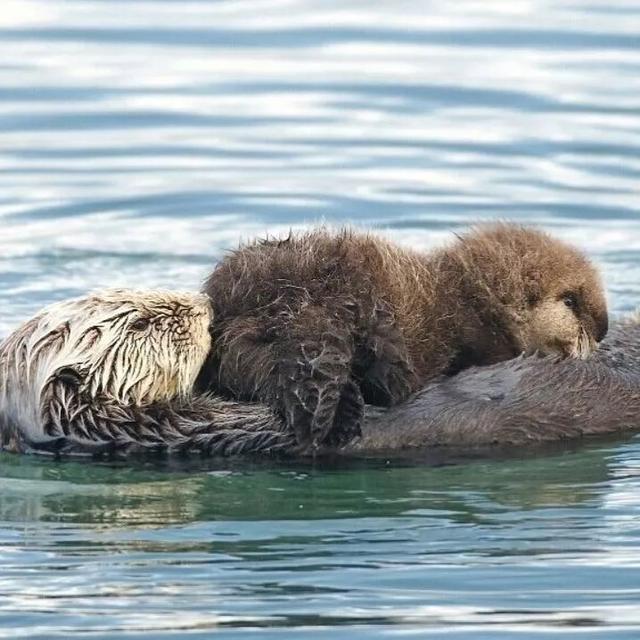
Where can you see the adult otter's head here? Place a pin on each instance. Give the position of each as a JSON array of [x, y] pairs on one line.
[[133, 347], [542, 292]]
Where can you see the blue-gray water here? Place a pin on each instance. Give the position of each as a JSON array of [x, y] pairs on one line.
[[140, 139]]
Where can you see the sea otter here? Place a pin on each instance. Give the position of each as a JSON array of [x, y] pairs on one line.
[[114, 371], [49, 404], [318, 324]]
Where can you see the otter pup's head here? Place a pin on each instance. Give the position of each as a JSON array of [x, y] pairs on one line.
[[134, 347], [546, 294]]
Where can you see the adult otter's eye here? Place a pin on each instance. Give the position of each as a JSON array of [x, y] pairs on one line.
[[570, 300], [140, 324]]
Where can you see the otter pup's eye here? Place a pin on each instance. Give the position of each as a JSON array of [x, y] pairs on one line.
[[140, 324], [570, 300]]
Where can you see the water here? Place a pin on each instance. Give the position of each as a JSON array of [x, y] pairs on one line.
[[518, 548], [140, 139]]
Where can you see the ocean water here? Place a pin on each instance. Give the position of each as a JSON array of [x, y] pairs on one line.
[[140, 139]]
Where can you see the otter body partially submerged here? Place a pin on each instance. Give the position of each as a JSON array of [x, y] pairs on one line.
[[69, 384], [115, 371], [524, 401]]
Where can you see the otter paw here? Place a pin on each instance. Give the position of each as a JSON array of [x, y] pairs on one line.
[[385, 370], [328, 414], [309, 409], [348, 417], [388, 382]]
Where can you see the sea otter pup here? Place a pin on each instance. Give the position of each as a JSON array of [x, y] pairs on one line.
[[320, 323], [114, 371]]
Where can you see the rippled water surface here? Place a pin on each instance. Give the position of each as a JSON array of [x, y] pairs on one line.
[[140, 139]]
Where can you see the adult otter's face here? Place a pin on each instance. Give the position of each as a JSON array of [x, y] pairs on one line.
[[133, 346]]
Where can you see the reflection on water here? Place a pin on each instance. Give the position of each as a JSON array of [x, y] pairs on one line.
[[508, 547], [140, 139]]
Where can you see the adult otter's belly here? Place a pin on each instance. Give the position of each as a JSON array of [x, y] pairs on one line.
[[526, 400]]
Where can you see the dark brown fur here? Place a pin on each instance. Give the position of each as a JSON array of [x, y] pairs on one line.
[[319, 323], [202, 424]]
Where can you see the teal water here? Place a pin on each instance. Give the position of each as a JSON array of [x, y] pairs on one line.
[[518, 548], [141, 139]]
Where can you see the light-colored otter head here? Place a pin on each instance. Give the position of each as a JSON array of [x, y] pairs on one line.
[[549, 295], [133, 347]]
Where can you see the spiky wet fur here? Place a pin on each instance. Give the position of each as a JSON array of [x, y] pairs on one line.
[[317, 324], [82, 376], [524, 401]]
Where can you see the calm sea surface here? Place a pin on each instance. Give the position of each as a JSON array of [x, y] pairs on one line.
[[140, 139]]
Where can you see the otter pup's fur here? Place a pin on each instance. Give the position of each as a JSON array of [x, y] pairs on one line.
[[115, 371], [317, 324]]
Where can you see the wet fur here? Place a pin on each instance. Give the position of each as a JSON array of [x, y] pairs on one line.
[[525, 401], [318, 324], [204, 424], [79, 378]]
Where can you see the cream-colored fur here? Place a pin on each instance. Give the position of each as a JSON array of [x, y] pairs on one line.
[[124, 346], [554, 328]]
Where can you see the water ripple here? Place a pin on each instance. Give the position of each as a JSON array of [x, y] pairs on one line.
[[140, 140]]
